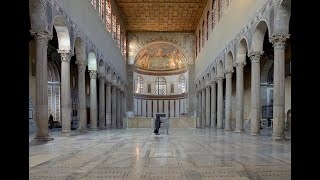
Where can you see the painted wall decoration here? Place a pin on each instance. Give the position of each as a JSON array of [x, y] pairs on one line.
[[160, 57]]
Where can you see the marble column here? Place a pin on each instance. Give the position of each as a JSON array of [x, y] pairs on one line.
[[176, 109], [121, 108], [42, 118], [149, 109], [279, 41], [108, 104], [208, 106], [171, 108], [220, 103], [124, 96], [213, 104], [102, 122], [144, 109], [200, 108], [228, 90], [93, 100], [82, 96], [203, 107], [66, 106], [118, 118], [114, 107], [239, 94], [255, 93]]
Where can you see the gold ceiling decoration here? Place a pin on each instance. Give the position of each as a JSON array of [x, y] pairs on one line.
[[161, 15], [160, 57]]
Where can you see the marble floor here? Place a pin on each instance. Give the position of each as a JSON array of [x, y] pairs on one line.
[[190, 154]]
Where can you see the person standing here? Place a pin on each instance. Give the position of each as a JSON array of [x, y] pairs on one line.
[[157, 125], [50, 121]]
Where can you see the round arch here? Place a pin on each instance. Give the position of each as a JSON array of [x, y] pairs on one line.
[[282, 17], [229, 61], [62, 32], [220, 69], [258, 36], [80, 49], [92, 61], [242, 50]]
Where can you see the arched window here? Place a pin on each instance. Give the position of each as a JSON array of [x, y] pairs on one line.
[[203, 30], [139, 85], [214, 8], [114, 26], [121, 44], [182, 84], [161, 86], [199, 40], [219, 9], [125, 47], [207, 23], [93, 2], [118, 34], [108, 15], [101, 9], [196, 45]]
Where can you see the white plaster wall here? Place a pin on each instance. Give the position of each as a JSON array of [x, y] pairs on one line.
[[151, 79], [89, 22], [234, 17]]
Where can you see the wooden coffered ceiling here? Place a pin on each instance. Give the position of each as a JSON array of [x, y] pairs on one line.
[[161, 15]]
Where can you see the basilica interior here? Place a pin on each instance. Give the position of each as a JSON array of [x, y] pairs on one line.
[[217, 72]]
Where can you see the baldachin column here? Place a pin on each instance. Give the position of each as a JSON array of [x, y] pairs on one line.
[[118, 108]]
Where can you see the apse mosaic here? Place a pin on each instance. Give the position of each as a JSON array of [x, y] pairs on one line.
[[160, 57]]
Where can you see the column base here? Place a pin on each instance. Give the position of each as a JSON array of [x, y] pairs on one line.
[[83, 131], [47, 138], [68, 133], [279, 138], [102, 128], [255, 134], [93, 129], [239, 131], [228, 129]]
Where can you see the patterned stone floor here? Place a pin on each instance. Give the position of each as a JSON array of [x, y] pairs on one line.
[[189, 154]]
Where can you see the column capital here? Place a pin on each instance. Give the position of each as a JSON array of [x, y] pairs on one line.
[[240, 64], [228, 73], [81, 66], [213, 83], [279, 40], [108, 83], [208, 86], [93, 74], [101, 76], [41, 37], [255, 56], [65, 55], [219, 79]]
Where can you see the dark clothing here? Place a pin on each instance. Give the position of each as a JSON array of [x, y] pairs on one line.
[[50, 121], [157, 125]]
